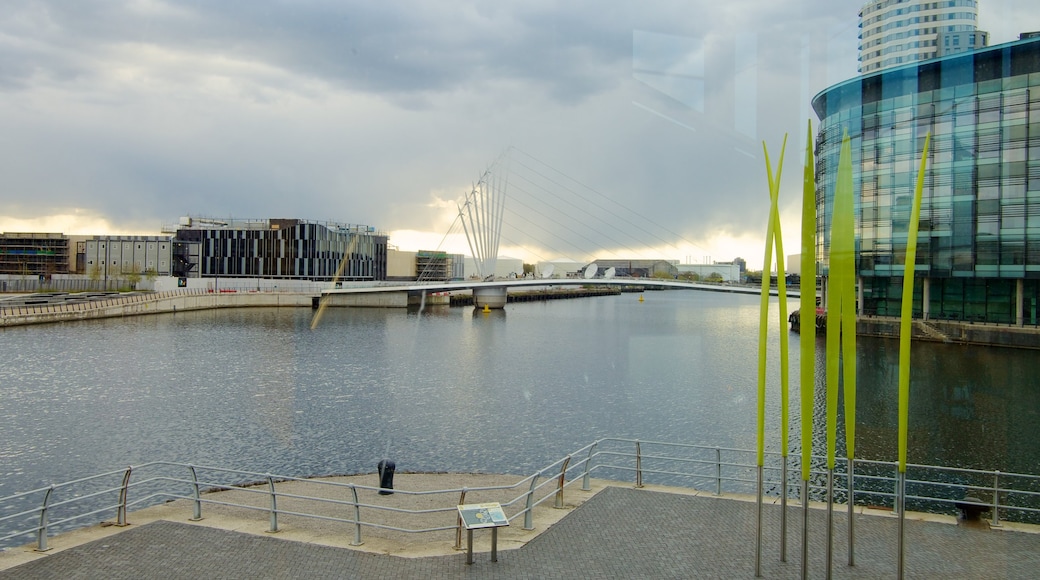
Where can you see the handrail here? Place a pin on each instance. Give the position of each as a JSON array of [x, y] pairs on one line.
[[718, 468]]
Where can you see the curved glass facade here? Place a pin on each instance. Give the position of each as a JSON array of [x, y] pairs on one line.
[[978, 256]]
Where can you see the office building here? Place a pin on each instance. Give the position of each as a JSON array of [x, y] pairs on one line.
[[278, 248], [978, 256]]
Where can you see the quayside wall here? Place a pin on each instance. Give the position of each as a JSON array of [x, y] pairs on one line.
[[152, 303]]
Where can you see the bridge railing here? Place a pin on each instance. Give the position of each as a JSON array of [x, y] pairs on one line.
[[61, 507]]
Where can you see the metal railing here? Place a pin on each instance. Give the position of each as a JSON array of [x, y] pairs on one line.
[[61, 507]]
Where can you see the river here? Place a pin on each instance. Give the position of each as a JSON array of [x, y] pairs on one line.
[[455, 389]]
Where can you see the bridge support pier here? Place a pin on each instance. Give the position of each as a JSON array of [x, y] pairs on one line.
[[490, 297]]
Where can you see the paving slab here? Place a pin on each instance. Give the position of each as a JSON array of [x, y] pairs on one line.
[[619, 532]]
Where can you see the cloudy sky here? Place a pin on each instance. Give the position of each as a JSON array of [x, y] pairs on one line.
[[614, 127]]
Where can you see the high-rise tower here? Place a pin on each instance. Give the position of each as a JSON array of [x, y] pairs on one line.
[[895, 32]]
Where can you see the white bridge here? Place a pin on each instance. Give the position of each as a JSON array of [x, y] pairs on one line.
[[493, 293], [480, 215]]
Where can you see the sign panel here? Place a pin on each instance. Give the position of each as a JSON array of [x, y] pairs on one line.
[[482, 515]]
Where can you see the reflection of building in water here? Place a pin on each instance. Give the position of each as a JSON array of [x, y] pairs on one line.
[[978, 252], [968, 403]]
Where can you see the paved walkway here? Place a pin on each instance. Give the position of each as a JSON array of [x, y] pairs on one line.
[[618, 533]]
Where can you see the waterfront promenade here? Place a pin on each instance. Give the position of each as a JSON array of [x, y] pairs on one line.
[[611, 531]]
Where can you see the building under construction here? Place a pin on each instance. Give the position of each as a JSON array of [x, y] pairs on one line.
[[34, 254]]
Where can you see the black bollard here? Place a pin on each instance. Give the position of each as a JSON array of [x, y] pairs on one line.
[[386, 477]]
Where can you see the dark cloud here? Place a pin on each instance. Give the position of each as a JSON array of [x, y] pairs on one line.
[[367, 112]]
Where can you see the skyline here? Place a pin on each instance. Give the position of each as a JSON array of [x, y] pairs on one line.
[[122, 117]]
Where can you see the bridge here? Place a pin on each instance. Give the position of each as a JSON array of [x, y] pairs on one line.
[[481, 218], [492, 293]]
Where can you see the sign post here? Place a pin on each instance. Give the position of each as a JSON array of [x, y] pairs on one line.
[[482, 515]]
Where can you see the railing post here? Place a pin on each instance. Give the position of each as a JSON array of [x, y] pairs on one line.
[[121, 511], [357, 518], [718, 471], [197, 509], [274, 504], [458, 525], [41, 533], [529, 507], [559, 484], [585, 477], [996, 500], [639, 466]]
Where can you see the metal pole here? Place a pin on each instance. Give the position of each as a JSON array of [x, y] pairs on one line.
[[830, 519], [900, 502], [895, 503], [758, 528], [805, 529], [41, 534], [559, 485], [639, 466], [121, 510], [458, 528], [783, 509], [494, 544], [718, 471], [852, 525], [996, 500], [585, 478], [529, 508], [274, 504], [357, 518], [197, 510]]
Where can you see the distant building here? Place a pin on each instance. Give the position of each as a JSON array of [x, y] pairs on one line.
[[278, 248], [558, 269], [505, 267], [34, 254], [726, 272], [639, 268], [898, 32], [106, 257], [963, 41]]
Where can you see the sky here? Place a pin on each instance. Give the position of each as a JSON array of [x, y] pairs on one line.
[[610, 128]]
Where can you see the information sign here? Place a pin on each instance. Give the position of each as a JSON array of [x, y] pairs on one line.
[[482, 515]]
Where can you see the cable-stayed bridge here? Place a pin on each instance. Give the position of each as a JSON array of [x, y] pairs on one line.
[[568, 219], [492, 293]]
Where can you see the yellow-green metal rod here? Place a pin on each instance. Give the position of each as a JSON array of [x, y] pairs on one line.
[[807, 344]]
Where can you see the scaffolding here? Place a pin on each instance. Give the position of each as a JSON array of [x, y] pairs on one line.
[[32, 254], [433, 266]]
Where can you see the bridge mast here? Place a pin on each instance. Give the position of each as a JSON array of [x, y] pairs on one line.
[[481, 216]]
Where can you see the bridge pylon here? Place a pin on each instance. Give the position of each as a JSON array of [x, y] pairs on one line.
[[481, 216]]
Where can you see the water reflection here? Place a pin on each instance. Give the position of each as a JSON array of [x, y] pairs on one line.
[[455, 389]]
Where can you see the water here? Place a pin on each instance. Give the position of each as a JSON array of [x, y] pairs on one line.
[[454, 389]]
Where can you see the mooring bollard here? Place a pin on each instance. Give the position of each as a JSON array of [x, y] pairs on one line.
[[386, 477]]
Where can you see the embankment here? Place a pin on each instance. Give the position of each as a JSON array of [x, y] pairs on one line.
[[151, 303]]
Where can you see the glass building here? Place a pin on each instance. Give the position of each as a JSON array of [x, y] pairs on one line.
[[978, 253]]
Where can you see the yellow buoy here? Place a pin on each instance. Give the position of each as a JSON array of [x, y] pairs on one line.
[[487, 308], [640, 297]]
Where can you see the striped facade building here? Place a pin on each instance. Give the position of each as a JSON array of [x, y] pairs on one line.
[[279, 248]]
